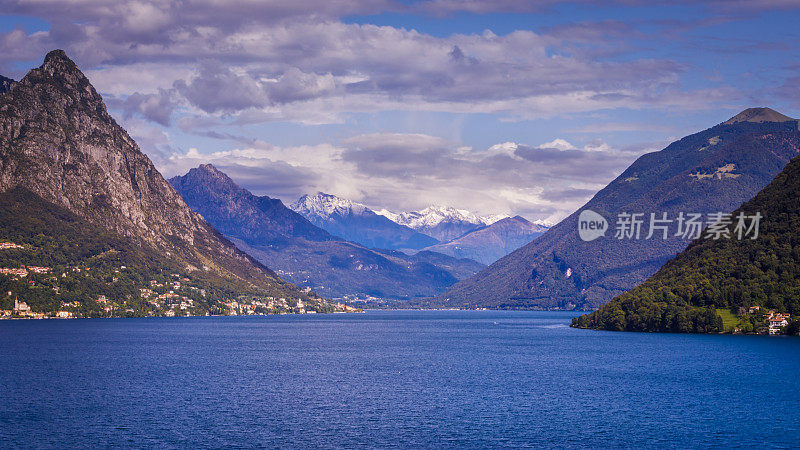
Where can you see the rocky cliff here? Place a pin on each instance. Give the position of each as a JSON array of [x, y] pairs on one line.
[[58, 140]]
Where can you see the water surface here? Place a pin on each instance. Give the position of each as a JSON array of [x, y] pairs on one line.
[[390, 379]]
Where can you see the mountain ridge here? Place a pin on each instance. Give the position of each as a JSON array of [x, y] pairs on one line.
[[307, 255], [490, 243], [713, 170], [758, 115], [444, 223], [58, 140], [727, 273], [355, 222], [225, 194]]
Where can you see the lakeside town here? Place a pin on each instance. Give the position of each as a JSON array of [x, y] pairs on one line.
[[178, 295], [165, 295]]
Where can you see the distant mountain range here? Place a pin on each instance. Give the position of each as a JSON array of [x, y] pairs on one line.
[[80, 198], [310, 256], [454, 232], [710, 171], [441, 222], [490, 243], [355, 222], [746, 276]]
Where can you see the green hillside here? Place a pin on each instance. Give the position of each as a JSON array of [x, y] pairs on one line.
[[82, 263]]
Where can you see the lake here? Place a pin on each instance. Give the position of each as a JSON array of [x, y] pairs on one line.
[[390, 379]]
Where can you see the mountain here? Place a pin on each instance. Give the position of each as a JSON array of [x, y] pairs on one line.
[[355, 222], [488, 244], [441, 222], [710, 171], [758, 115], [5, 84], [308, 255], [234, 211], [723, 274], [60, 149]]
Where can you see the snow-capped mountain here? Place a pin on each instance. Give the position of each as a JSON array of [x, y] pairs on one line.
[[355, 222], [326, 205], [309, 256], [444, 223]]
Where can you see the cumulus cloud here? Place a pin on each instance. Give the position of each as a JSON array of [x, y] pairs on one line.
[[412, 171], [213, 69], [444, 7], [320, 65], [218, 88], [154, 107]]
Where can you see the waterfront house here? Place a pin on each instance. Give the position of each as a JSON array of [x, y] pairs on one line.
[[777, 321]]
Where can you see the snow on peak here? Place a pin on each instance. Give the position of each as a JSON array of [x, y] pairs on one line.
[[488, 220], [327, 205], [389, 215], [435, 215]]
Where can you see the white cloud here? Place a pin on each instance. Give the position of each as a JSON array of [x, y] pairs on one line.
[[411, 171], [313, 68]]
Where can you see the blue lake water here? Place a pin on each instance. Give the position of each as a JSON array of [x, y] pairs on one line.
[[390, 379]]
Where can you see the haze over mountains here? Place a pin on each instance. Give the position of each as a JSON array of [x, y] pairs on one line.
[[62, 156], [711, 171], [310, 256]]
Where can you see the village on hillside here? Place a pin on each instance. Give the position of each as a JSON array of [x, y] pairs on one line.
[[123, 295]]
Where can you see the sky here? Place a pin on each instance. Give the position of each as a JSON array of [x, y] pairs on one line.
[[495, 106]]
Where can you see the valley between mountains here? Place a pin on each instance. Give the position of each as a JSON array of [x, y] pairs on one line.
[[90, 228]]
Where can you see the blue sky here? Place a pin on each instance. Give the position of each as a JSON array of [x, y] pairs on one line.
[[401, 105]]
